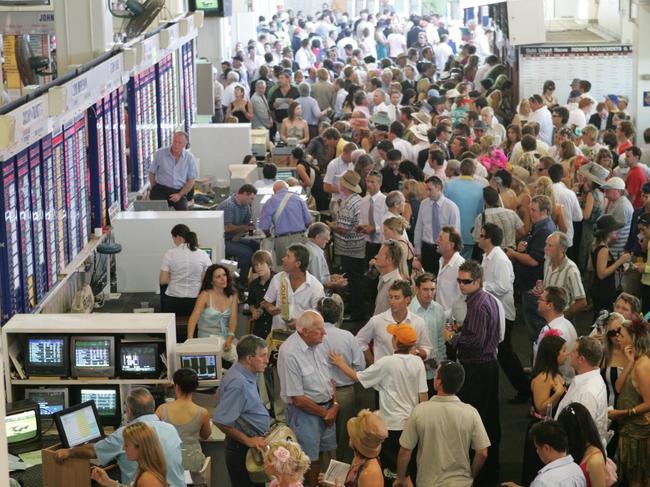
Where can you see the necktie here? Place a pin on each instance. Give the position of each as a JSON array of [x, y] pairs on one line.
[[371, 216], [396, 112], [435, 221]]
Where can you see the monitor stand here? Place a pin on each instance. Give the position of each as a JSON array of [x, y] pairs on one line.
[[74, 471]]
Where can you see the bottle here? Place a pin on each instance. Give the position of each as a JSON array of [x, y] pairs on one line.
[[251, 227], [549, 412]]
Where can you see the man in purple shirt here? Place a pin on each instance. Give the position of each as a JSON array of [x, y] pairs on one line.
[[287, 214], [476, 343]]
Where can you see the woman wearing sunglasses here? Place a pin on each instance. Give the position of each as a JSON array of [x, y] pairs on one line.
[[633, 406]]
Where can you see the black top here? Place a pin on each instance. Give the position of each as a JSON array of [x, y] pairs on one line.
[[526, 276], [256, 292], [390, 180], [603, 291], [322, 198]]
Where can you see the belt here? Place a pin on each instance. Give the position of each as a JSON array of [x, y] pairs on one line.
[[343, 387], [301, 232], [326, 403]]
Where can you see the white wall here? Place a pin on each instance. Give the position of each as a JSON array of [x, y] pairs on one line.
[[219, 145]]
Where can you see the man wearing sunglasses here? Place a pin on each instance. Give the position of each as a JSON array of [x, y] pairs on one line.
[[476, 343]]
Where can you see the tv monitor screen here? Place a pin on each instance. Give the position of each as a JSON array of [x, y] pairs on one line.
[[79, 424], [22, 426], [209, 5], [207, 250], [105, 400], [205, 365], [50, 400], [93, 356], [140, 360], [46, 355]]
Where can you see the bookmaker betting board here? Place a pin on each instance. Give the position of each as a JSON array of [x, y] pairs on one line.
[[167, 89], [143, 124], [187, 84]]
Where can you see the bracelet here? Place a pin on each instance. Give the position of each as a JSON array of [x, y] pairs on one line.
[[231, 334], [633, 411], [335, 403]]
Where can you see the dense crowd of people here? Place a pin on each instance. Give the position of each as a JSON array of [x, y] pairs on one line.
[[449, 214]]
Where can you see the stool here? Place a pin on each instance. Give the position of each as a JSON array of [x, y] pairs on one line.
[[106, 250]]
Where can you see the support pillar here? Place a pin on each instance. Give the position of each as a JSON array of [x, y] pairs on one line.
[[641, 73]]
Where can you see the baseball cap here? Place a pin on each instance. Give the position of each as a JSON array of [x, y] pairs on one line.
[[614, 183], [404, 333], [575, 94], [614, 98]]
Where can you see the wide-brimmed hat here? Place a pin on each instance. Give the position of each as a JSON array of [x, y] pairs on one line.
[[420, 132], [422, 117], [614, 183], [367, 431], [381, 118], [453, 93], [350, 180], [594, 172], [606, 224]]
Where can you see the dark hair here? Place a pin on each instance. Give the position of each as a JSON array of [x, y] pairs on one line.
[[186, 380], [332, 133], [248, 345], [424, 277], [636, 152], [528, 142], [437, 156], [550, 433], [385, 145], [491, 196], [270, 171], [493, 232], [467, 167], [229, 290], [298, 154], [247, 188], [563, 113], [556, 172], [452, 376], [591, 349], [411, 171], [505, 176], [394, 155], [580, 429], [454, 237], [397, 128], [557, 296], [546, 358], [301, 253], [330, 309], [182, 230], [473, 268], [402, 285]]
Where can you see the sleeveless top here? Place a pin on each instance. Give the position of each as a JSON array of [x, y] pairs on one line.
[[603, 291], [354, 481], [295, 131], [213, 321], [240, 114], [193, 457], [583, 467]]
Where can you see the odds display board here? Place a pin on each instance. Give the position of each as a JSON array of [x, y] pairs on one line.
[[38, 220], [188, 94], [167, 89], [25, 229], [143, 124], [601, 65], [119, 128], [53, 212]]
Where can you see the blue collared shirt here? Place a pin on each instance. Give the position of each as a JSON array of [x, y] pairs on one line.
[[468, 196], [304, 370], [434, 318], [563, 472], [294, 218], [239, 405], [344, 343], [170, 172], [234, 213], [112, 447]]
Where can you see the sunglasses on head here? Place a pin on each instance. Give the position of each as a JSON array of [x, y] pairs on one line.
[[465, 281], [614, 333]]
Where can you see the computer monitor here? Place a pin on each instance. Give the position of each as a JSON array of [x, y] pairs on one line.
[[50, 399], [140, 360], [23, 426], [207, 250], [107, 402], [92, 356], [202, 356], [79, 424], [285, 173], [46, 355]]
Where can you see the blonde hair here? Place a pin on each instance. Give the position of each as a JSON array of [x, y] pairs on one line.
[[294, 465], [544, 186], [528, 161], [413, 189], [150, 455], [397, 224]]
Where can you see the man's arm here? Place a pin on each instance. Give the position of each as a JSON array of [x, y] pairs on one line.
[[403, 458], [522, 258], [85, 451], [250, 441], [310, 407], [479, 459], [578, 305]]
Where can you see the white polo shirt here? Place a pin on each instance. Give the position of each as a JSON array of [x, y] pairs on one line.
[[185, 268], [304, 298], [448, 292]]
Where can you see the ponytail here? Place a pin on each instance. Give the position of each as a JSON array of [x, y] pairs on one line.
[[189, 236]]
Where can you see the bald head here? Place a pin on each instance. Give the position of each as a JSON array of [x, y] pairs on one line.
[[279, 186]]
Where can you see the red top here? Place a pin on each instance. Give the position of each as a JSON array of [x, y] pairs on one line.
[[621, 148], [636, 178]]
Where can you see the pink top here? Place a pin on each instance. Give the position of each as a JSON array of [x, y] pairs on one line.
[[276, 483]]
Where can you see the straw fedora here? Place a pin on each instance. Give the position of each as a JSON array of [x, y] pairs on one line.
[[350, 180], [367, 431], [594, 172], [422, 117], [420, 132]]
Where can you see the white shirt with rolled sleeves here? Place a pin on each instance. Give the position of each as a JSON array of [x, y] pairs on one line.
[[448, 292], [379, 214], [344, 343], [304, 298], [399, 378], [335, 168], [570, 206], [185, 268], [448, 213], [304, 370], [499, 278], [589, 389], [375, 330]]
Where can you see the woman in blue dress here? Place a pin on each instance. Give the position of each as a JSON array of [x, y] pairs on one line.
[[215, 311]]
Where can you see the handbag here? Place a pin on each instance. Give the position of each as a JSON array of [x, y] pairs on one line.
[[255, 460]]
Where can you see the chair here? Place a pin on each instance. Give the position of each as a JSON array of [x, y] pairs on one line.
[[206, 472]]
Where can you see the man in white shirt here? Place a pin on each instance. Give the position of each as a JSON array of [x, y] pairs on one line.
[[551, 306], [387, 263], [442, 51], [394, 108], [576, 115], [337, 167], [379, 102], [450, 244], [498, 280], [395, 135], [318, 236], [567, 198], [435, 212], [588, 387], [400, 295], [551, 443], [541, 115], [292, 291], [373, 211], [304, 56]]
